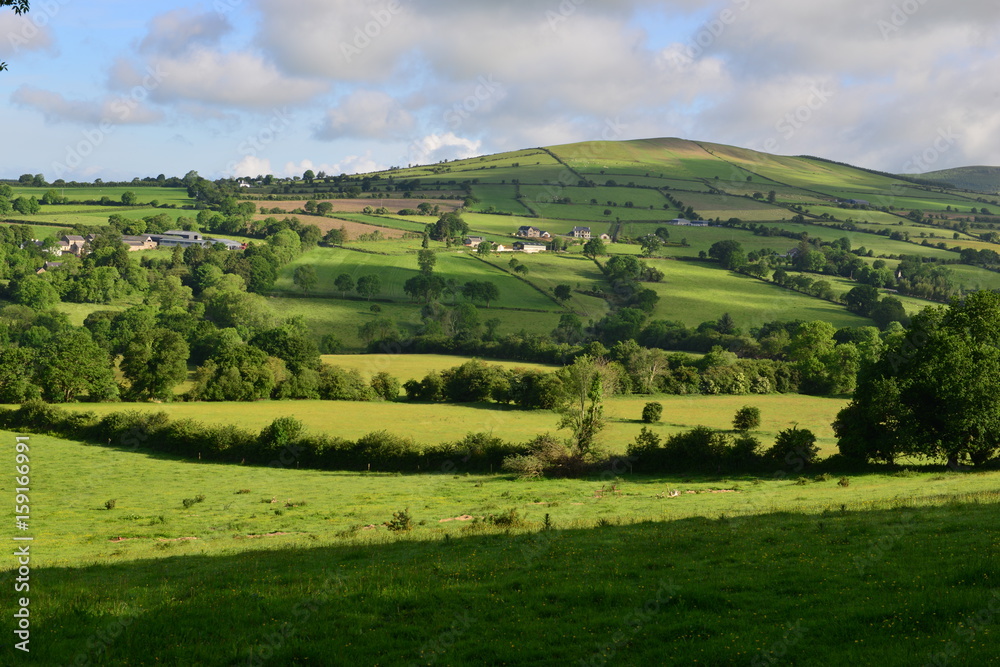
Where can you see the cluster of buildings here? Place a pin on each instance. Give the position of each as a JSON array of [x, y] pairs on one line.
[[682, 222], [78, 245], [526, 233]]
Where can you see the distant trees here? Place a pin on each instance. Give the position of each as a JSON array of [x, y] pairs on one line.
[[729, 253], [304, 277], [563, 292], [594, 248], [369, 286], [481, 290], [345, 283]]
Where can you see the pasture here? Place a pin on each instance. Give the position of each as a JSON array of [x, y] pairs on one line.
[[284, 566], [431, 423], [696, 292]]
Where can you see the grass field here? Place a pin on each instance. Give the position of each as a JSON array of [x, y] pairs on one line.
[[696, 292], [395, 270], [414, 366], [434, 423], [343, 317], [300, 568]]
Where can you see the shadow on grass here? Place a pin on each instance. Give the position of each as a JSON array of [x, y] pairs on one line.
[[711, 591]]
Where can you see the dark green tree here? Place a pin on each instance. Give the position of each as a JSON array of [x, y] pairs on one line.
[[934, 391]]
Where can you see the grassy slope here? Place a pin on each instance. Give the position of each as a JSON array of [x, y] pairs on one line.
[[880, 578], [696, 292]]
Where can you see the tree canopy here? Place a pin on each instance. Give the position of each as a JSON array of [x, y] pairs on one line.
[[934, 391]]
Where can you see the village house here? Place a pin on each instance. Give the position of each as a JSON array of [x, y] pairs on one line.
[[48, 266], [474, 241], [606, 238], [74, 244], [580, 233], [529, 232]]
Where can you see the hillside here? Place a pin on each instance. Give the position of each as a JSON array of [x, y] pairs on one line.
[[978, 179], [627, 190]]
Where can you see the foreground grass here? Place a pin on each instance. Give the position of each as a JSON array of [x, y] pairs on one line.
[[890, 570]]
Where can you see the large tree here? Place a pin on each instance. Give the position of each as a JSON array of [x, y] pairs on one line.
[[155, 364], [934, 391]]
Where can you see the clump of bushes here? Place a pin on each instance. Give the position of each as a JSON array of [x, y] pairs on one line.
[[652, 412], [401, 521], [110, 504]]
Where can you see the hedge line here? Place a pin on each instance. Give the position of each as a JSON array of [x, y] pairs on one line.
[[282, 444]]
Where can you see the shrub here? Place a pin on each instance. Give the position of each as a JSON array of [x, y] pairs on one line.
[[546, 455], [746, 419], [401, 521], [652, 412], [508, 519], [385, 386], [110, 504], [844, 482], [699, 448], [242, 491], [794, 447]]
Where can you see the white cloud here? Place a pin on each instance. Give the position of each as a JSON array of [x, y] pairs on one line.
[[366, 114], [23, 33], [434, 148], [55, 108], [181, 30], [238, 79], [252, 166]]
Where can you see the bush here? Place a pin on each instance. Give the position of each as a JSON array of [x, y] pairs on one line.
[[401, 521], [794, 447], [546, 456], [509, 519], [844, 482], [652, 412], [110, 504], [385, 386], [699, 449], [747, 419]]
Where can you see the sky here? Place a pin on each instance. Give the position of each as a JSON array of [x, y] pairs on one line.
[[113, 90]]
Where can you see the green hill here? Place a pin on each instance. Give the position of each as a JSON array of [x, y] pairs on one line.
[[977, 179]]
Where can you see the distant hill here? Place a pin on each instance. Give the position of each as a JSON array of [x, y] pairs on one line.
[[978, 179]]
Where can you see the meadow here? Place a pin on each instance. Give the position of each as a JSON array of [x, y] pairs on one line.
[[696, 292], [284, 566], [432, 423]]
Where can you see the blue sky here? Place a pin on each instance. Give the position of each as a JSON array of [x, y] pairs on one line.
[[117, 89]]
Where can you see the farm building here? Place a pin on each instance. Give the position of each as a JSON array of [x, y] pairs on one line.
[[474, 241], [136, 243], [606, 237], [530, 248], [682, 222], [74, 244], [580, 233], [529, 232], [48, 266]]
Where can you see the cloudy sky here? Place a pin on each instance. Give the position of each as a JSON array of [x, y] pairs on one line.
[[114, 89]]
